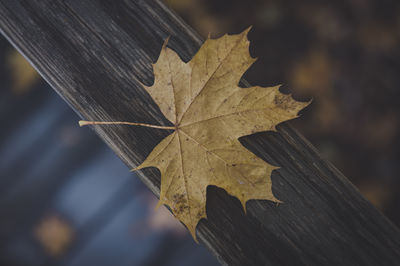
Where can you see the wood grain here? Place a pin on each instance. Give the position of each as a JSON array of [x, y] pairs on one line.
[[97, 53]]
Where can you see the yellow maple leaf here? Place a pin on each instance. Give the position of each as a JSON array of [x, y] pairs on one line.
[[210, 112]]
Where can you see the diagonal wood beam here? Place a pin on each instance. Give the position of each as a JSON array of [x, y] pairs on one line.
[[96, 53]]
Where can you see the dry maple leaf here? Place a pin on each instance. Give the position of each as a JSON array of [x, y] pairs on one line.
[[210, 112]]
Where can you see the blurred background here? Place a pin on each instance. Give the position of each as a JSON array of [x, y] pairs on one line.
[[66, 199]]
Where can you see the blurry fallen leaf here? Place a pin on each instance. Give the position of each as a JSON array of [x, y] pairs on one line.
[[210, 112], [386, 34], [377, 193], [24, 76], [314, 73], [55, 234]]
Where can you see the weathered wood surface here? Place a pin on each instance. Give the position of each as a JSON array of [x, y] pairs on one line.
[[95, 54]]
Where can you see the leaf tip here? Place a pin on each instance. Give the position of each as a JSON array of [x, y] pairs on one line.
[[275, 200], [159, 203], [136, 168], [144, 164], [248, 29], [301, 106], [192, 231], [164, 46], [243, 202]]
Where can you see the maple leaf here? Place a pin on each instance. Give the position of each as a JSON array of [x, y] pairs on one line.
[[210, 112]]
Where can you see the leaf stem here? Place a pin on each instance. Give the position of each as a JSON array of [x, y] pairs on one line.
[[85, 123]]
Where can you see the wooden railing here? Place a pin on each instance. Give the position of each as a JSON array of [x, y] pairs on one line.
[[96, 53]]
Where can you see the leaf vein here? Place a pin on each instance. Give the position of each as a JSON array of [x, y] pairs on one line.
[[209, 78]]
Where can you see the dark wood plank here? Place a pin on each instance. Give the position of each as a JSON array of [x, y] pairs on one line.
[[95, 54]]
